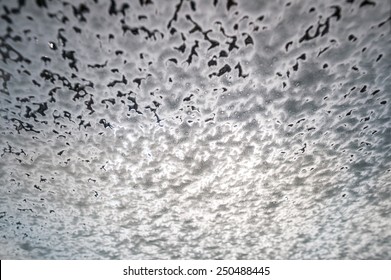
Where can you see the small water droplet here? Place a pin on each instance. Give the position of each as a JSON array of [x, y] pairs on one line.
[[52, 45]]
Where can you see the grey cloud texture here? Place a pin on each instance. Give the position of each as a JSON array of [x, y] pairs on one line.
[[195, 130]]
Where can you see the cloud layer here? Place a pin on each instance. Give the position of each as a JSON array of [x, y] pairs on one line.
[[195, 130]]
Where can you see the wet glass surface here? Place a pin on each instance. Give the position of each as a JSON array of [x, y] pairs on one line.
[[195, 129]]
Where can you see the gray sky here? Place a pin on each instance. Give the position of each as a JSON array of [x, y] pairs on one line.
[[195, 130]]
